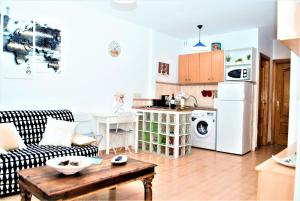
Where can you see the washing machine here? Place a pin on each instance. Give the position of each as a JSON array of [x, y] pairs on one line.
[[204, 129]]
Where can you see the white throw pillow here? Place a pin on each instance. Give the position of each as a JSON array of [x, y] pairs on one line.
[[2, 151], [82, 140], [9, 137], [58, 132]]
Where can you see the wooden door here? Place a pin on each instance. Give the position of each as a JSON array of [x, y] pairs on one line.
[[183, 69], [281, 102], [217, 68], [194, 68], [263, 107], [205, 67]]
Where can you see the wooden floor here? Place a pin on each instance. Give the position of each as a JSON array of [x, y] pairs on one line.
[[205, 175]]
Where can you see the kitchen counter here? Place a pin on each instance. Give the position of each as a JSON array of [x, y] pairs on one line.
[[164, 131], [186, 109]]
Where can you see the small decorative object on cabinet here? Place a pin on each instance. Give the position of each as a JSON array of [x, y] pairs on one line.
[[114, 49], [228, 58], [239, 60], [165, 132], [248, 57], [216, 46]]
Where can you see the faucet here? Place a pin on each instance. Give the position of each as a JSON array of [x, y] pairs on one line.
[[191, 96]]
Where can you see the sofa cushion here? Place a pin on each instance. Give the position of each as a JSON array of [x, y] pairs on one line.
[[33, 156], [58, 132], [82, 140], [31, 123], [9, 137], [3, 151]]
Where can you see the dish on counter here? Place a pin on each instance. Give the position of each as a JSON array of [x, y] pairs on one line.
[[289, 161]]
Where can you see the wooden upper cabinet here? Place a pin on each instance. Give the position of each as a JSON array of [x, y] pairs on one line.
[[188, 70], [183, 69], [205, 67], [217, 68], [288, 24], [194, 68]]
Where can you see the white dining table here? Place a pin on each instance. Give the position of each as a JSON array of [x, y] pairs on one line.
[[112, 119]]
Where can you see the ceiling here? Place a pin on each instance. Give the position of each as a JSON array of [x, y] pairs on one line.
[[179, 18]]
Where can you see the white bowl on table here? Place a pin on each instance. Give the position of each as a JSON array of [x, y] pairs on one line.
[[83, 162]]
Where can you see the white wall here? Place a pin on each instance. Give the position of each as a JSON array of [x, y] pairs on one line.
[[280, 51], [265, 40], [90, 76], [166, 49]]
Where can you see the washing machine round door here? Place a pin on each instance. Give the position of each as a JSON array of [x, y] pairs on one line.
[[202, 127]]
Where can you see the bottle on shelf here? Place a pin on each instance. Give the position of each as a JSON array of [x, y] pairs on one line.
[[172, 102], [181, 103]]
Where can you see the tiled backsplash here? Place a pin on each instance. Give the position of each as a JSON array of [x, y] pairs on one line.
[[195, 90]]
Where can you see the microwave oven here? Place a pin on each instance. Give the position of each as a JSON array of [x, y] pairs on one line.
[[237, 73]]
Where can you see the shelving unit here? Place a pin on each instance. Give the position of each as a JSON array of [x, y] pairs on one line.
[[167, 133], [242, 54]]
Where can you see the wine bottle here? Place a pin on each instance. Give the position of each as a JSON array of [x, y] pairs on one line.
[[172, 102]]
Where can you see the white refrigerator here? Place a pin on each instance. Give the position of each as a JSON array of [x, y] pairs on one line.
[[234, 117]]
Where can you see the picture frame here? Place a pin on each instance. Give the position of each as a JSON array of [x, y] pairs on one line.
[[163, 69]]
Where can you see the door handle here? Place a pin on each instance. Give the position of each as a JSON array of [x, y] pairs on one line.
[[277, 105]]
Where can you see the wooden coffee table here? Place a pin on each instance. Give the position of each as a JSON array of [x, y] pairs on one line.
[[45, 183]]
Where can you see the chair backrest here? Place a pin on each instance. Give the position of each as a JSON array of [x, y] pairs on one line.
[[31, 123], [125, 118]]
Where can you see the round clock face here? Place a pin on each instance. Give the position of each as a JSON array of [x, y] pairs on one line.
[[114, 49]]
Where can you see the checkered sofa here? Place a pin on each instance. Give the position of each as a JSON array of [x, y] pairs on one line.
[[31, 125]]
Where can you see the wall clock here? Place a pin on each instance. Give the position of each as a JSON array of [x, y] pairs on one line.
[[114, 49]]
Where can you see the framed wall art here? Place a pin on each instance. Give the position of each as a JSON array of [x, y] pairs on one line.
[[163, 69]]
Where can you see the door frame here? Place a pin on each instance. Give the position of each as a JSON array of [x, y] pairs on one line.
[[267, 89], [274, 73]]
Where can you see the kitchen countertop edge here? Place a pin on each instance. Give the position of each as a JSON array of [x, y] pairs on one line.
[[188, 109]]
